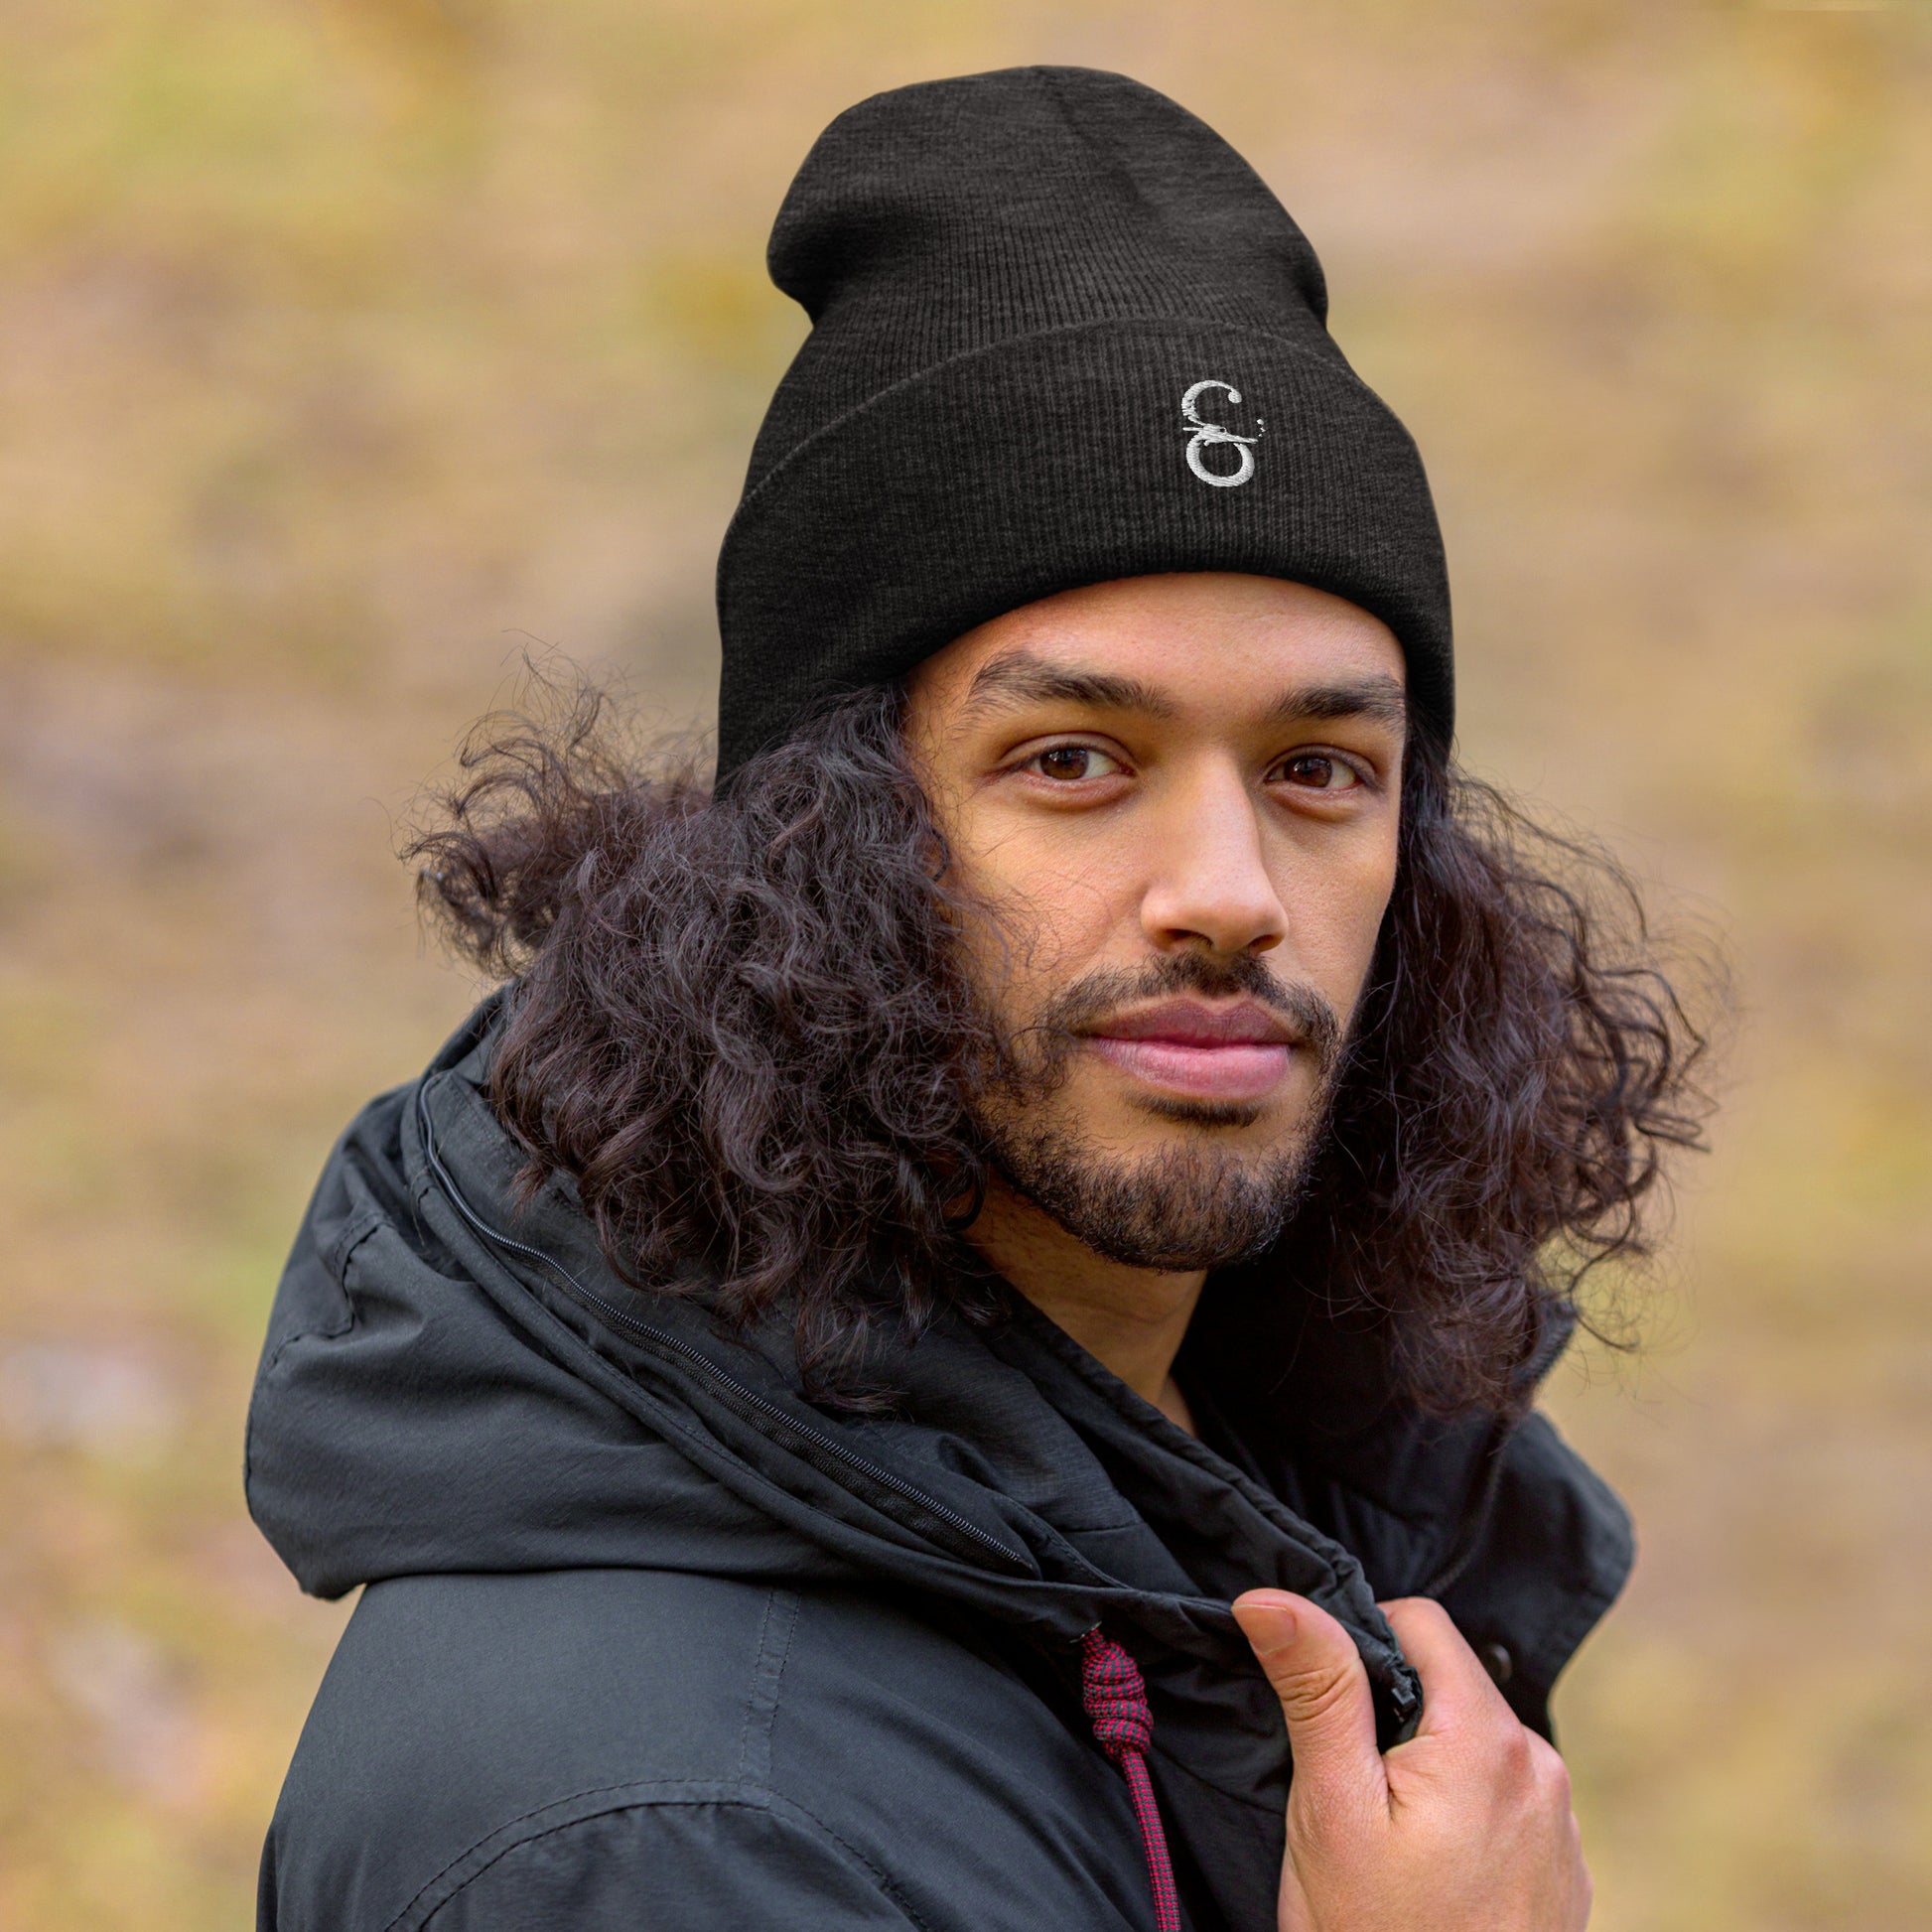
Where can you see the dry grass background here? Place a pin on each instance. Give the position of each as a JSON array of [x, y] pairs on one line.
[[343, 346]]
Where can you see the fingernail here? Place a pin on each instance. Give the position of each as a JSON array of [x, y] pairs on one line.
[[1268, 1619], [1284, 1627]]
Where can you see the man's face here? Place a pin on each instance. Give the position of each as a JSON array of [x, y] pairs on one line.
[[1178, 796]]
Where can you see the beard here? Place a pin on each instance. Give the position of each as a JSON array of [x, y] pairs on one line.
[[1201, 1203]]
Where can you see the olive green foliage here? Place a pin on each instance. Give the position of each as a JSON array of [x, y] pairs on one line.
[[348, 350]]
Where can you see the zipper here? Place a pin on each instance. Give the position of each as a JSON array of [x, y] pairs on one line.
[[662, 1339]]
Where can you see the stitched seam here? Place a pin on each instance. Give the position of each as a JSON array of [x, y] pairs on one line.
[[767, 1674], [537, 1811], [340, 1252], [754, 1800], [884, 1884], [758, 1676], [1129, 1522], [357, 1229]]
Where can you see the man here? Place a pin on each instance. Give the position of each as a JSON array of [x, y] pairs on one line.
[[879, 1381]]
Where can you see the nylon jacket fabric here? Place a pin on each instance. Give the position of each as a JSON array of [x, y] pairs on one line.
[[649, 1641]]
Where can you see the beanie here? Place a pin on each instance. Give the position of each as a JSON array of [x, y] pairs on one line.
[[1062, 333]]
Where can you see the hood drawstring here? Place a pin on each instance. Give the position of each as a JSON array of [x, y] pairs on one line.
[[1123, 1726]]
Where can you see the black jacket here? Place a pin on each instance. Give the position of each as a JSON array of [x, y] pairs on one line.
[[650, 1641]]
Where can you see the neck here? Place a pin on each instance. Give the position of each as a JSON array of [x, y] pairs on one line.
[[1129, 1320]]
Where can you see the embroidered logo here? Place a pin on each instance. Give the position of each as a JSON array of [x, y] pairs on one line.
[[1203, 436]]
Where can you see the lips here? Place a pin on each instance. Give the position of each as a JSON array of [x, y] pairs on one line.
[[1229, 1054]]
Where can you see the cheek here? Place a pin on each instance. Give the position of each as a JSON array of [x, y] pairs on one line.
[[1372, 912], [1335, 916], [1050, 916]]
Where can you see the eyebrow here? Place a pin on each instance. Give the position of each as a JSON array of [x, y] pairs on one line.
[[1380, 697], [1019, 677]]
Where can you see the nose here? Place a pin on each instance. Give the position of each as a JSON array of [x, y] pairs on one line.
[[1208, 884]]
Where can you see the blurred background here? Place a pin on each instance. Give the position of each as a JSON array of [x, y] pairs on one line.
[[349, 348]]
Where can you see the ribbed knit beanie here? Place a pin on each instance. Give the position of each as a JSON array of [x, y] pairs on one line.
[[1062, 333]]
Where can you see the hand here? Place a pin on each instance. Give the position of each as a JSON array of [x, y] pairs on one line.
[[1466, 1827]]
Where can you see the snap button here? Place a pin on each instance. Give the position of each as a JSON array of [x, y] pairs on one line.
[[1497, 1660]]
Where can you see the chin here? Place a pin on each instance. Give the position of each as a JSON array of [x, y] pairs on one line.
[[1268, 1127], [1217, 1114], [1231, 1135]]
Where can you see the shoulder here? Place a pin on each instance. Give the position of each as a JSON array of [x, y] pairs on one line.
[[483, 1743], [571, 1747]]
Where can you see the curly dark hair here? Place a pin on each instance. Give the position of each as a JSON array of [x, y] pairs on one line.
[[739, 1026]]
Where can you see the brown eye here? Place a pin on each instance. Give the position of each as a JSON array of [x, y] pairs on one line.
[[1070, 762], [1315, 771]]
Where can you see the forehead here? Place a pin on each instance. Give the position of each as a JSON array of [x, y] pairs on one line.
[[1192, 641]]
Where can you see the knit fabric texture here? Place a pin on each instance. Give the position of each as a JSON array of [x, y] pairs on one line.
[[1062, 333]]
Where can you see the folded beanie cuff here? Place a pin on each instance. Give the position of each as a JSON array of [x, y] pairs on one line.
[[1046, 461]]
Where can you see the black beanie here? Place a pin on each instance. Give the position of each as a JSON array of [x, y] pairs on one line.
[[1062, 333]]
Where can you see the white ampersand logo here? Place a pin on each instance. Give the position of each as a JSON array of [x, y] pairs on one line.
[[1202, 436]]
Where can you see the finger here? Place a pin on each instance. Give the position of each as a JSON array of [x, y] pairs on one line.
[[1455, 1689], [1315, 1671]]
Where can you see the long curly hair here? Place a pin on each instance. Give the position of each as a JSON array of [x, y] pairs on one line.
[[737, 1022]]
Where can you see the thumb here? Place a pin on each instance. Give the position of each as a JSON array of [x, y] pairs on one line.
[[1315, 1671]]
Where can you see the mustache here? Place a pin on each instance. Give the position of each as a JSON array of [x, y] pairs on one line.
[[1312, 1021]]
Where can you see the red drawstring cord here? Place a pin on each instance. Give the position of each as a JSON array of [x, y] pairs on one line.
[[1116, 1699]]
